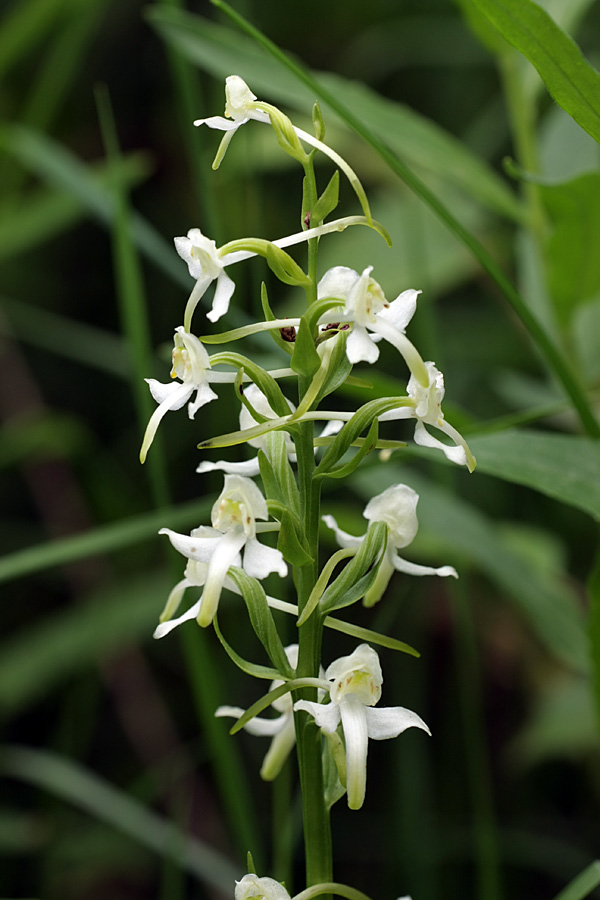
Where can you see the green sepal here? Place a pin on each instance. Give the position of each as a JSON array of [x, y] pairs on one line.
[[328, 200], [305, 359], [362, 419], [356, 578], [334, 768], [260, 377], [284, 267], [253, 669], [368, 445], [250, 867], [318, 122], [262, 621]]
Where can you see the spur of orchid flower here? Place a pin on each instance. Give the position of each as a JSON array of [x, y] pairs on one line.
[[281, 729], [234, 528], [397, 507], [354, 689], [427, 410]]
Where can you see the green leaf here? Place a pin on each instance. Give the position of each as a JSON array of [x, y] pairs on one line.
[[276, 448], [253, 669], [269, 317], [260, 377], [573, 271], [367, 446], [328, 200], [284, 267], [261, 618], [289, 541], [593, 589], [339, 367], [566, 467], [583, 885], [305, 360], [72, 783], [572, 81]]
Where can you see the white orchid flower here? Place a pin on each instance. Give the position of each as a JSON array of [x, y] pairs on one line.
[[280, 729], [191, 363], [206, 264], [397, 507], [427, 410], [239, 109], [251, 887], [373, 317], [234, 528], [355, 687]]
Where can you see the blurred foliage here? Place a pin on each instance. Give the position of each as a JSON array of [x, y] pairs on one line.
[[116, 779]]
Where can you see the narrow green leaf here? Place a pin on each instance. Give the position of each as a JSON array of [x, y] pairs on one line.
[[583, 885], [362, 418], [289, 541], [572, 81], [367, 446], [566, 467], [593, 589], [261, 618], [84, 790], [355, 579], [328, 200], [305, 360], [253, 669], [371, 637]]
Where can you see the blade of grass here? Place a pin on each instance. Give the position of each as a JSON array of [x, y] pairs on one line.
[[74, 784], [553, 356], [584, 884]]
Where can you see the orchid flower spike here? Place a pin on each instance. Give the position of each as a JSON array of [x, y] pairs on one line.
[[234, 528], [373, 317], [355, 687], [427, 410], [280, 729], [397, 507]]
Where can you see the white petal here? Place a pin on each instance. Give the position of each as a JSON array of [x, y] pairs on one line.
[[174, 599], [257, 726], [360, 347], [251, 887], [401, 310], [200, 548], [165, 627], [391, 721], [337, 282], [260, 560], [248, 468], [174, 391], [223, 294], [204, 395], [396, 506], [410, 568], [354, 723], [453, 453], [326, 715], [279, 750], [219, 123], [342, 537], [174, 400]]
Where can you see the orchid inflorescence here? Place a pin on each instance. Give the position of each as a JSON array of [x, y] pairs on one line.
[[343, 322]]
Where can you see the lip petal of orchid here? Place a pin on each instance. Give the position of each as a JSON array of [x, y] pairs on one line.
[[223, 556], [390, 721], [326, 715], [354, 723], [175, 396], [260, 560]]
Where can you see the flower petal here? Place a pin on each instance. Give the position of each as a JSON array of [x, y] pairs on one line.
[[401, 310], [223, 293], [410, 568], [248, 468], [454, 453], [258, 726], [360, 347], [326, 715], [391, 721], [165, 627], [260, 560], [354, 723], [224, 555], [342, 537], [174, 399], [198, 546], [204, 395]]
